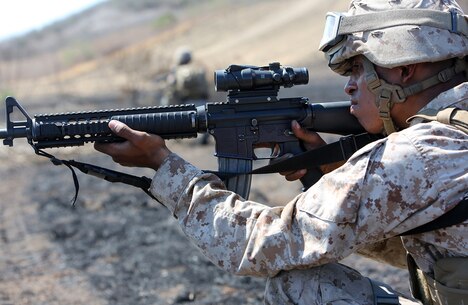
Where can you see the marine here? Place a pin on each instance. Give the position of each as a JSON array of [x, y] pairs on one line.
[[406, 63]]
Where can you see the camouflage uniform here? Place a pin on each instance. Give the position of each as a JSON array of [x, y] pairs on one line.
[[373, 197], [387, 188]]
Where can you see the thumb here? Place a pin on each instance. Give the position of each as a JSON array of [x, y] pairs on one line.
[[310, 138], [302, 133], [122, 130]]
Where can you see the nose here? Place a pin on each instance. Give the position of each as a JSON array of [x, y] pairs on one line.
[[350, 86]]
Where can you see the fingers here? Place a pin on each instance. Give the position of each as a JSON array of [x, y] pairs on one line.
[[106, 148], [299, 132], [290, 175], [141, 149], [124, 131], [293, 176], [115, 150], [279, 159], [311, 139]]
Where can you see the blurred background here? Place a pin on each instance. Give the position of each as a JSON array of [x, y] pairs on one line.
[[117, 246], [119, 51]]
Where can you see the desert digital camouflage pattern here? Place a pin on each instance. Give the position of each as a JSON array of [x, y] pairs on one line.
[[399, 45], [330, 284], [386, 188]]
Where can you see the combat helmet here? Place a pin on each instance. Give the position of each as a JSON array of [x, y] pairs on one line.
[[182, 56], [392, 33]]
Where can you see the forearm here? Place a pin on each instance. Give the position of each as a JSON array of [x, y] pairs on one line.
[[243, 237], [219, 222]]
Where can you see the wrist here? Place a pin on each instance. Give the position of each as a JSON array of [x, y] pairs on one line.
[[159, 158]]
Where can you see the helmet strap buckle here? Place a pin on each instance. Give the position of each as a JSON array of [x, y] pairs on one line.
[[384, 93], [385, 105]]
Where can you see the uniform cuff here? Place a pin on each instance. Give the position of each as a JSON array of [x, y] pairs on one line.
[[171, 181]]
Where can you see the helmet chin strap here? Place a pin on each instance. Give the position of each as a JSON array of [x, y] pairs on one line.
[[387, 95]]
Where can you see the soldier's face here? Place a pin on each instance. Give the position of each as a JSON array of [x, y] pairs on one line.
[[362, 100]]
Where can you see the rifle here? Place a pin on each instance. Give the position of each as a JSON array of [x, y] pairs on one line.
[[251, 115]]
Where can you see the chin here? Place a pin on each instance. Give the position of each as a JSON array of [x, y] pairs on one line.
[[372, 128], [377, 130]]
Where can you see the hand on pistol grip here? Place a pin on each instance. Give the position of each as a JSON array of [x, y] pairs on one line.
[[308, 140]]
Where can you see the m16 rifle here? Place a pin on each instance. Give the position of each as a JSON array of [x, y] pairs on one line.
[[252, 116]]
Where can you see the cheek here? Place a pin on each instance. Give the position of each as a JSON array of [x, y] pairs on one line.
[[367, 111], [366, 98]]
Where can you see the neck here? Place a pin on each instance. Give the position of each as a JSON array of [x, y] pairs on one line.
[[413, 104]]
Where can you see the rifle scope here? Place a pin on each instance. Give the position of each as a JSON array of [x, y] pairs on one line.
[[246, 78]]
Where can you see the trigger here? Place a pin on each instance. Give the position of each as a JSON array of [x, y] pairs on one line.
[[275, 151]]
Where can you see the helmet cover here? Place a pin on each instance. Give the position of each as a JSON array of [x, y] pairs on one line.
[[400, 45]]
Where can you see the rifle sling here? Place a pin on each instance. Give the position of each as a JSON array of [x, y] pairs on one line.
[[143, 182], [334, 152], [330, 153], [57, 162]]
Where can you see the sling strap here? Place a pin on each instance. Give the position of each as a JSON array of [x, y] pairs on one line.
[[334, 152], [330, 153], [142, 182]]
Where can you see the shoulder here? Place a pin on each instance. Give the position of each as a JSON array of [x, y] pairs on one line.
[[432, 138], [427, 149]]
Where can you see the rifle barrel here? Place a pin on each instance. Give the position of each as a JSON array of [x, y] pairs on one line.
[[3, 133], [18, 132]]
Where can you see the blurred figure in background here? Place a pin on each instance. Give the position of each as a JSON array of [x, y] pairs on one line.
[[186, 84]]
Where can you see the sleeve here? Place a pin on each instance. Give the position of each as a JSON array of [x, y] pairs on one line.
[[361, 203], [389, 251]]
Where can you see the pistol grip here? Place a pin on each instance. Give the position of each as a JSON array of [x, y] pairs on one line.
[[313, 175], [310, 178]]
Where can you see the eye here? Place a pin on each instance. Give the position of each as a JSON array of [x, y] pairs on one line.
[[356, 68]]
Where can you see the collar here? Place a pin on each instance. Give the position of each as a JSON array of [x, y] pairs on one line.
[[454, 97]]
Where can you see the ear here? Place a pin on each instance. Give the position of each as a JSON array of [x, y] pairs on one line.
[[407, 73]]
